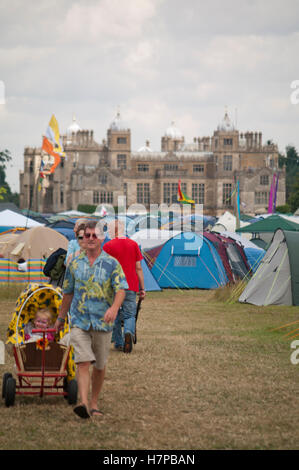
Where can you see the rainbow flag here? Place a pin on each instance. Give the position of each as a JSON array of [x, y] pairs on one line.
[[52, 143], [182, 197]]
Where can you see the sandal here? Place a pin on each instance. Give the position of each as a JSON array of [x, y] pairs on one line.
[[96, 412]]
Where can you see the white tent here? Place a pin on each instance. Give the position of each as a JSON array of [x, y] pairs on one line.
[[228, 222], [10, 219], [148, 238]]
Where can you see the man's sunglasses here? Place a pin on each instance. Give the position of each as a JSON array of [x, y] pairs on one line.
[[90, 235], [80, 237]]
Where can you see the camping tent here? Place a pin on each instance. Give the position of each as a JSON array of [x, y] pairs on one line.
[[10, 220], [232, 255], [188, 260], [36, 242], [150, 282], [149, 238], [23, 255], [276, 281], [227, 221], [269, 225]]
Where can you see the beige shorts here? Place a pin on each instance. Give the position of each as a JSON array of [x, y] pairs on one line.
[[91, 346]]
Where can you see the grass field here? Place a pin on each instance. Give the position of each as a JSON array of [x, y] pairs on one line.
[[204, 374]]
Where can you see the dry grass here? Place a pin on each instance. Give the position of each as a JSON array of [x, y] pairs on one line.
[[204, 374]]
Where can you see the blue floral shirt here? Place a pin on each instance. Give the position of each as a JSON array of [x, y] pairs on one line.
[[94, 288]]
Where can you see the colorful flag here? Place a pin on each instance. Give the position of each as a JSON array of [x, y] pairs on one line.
[[52, 143], [182, 197], [238, 205], [275, 194], [271, 196]]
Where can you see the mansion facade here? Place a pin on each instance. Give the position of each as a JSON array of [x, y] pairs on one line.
[[98, 173]]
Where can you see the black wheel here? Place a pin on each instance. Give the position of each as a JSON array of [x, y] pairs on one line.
[[72, 392], [65, 385], [10, 391], [6, 376]]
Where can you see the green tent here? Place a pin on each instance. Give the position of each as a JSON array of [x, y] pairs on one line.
[[270, 224], [276, 281]]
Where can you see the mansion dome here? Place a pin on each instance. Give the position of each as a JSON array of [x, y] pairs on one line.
[[226, 125], [118, 124], [146, 147], [74, 127], [173, 132]]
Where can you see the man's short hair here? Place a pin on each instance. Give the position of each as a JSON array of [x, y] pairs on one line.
[[98, 226]]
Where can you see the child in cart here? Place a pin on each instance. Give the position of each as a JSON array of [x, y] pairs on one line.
[[43, 320]]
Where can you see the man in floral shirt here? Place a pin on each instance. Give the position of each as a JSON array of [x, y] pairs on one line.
[[93, 291]]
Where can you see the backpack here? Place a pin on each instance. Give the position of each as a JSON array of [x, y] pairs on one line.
[[54, 266]]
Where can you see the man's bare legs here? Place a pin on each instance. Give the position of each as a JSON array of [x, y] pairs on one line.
[[97, 380]]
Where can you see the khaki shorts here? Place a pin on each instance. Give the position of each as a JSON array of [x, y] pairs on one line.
[[91, 346]]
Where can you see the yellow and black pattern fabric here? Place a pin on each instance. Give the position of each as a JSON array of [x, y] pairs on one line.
[[33, 298]]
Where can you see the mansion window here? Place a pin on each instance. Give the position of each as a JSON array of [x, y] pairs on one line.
[[96, 197], [261, 197], [227, 194], [103, 197], [198, 168], [106, 196], [121, 140], [228, 141], [168, 167], [227, 162], [170, 192], [102, 179], [264, 180], [143, 193], [143, 167], [198, 193], [121, 161]]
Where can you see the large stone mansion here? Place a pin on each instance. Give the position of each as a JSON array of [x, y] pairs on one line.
[[93, 173]]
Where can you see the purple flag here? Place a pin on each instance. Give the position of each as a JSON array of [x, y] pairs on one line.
[[271, 196]]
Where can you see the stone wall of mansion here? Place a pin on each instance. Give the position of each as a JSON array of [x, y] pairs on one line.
[[209, 167]]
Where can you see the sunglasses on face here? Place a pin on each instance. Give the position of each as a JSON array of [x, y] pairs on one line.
[[80, 237], [90, 235]]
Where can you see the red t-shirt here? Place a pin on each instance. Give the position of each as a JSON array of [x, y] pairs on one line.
[[127, 253]]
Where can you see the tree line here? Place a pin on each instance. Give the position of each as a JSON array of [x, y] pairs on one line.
[[290, 161]]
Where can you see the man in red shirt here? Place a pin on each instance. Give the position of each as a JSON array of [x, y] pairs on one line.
[[128, 254]]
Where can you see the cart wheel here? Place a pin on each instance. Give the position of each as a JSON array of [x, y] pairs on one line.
[[65, 386], [10, 391], [72, 392], [6, 376]]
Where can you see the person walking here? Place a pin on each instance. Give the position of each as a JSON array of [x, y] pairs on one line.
[[74, 245], [127, 252], [93, 291]]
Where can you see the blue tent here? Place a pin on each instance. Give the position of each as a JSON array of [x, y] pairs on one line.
[[254, 256], [150, 282], [188, 260]]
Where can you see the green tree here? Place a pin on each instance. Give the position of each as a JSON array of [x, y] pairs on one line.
[[294, 196], [291, 162], [5, 191]]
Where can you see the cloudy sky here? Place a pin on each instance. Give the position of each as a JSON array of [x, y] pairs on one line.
[[157, 60]]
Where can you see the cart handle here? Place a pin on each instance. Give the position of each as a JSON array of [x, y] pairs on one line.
[[44, 330]]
